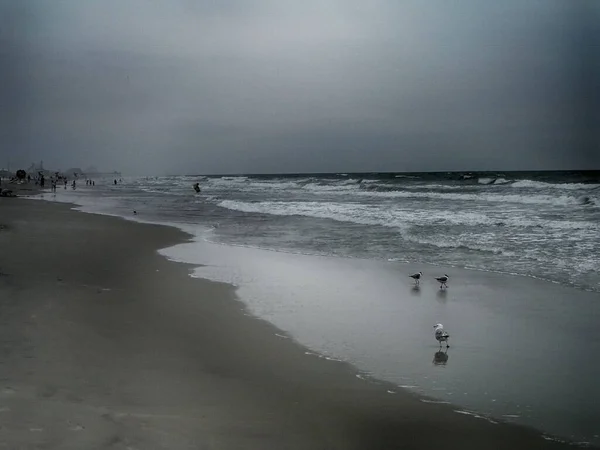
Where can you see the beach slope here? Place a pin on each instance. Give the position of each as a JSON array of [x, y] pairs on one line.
[[106, 344]]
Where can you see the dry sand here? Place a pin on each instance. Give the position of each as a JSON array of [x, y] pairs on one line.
[[106, 344]]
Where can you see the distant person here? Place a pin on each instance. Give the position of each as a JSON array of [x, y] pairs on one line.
[[53, 184], [65, 182], [197, 187], [115, 181], [93, 183], [74, 185], [42, 181]]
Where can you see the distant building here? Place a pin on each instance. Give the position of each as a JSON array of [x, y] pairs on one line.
[[74, 172], [34, 169]]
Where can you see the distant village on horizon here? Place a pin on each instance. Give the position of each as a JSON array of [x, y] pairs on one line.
[[38, 168]]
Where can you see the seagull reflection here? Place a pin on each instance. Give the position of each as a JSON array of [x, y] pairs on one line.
[[442, 294], [415, 290], [440, 358]]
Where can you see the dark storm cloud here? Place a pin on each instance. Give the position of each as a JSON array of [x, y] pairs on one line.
[[276, 86]]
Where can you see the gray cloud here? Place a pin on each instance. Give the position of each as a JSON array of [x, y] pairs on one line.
[[278, 86]]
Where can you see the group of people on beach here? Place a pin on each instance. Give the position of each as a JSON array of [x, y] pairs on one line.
[[54, 180], [54, 183]]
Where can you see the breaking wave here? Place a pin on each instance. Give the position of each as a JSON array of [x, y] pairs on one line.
[[544, 185], [397, 217]]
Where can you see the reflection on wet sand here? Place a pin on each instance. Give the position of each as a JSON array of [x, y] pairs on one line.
[[440, 358]]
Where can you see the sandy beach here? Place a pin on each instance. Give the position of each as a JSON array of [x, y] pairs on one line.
[[107, 344]]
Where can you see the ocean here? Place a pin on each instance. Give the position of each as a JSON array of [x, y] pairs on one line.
[[326, 258]]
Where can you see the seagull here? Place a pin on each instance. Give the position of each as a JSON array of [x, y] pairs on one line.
[[441, 335], [443, 280], [416, 277]]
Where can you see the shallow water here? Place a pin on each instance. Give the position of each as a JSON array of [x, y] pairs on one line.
[[521, 349]]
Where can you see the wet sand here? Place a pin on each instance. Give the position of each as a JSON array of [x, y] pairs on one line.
[[522, 348], [106, 344]]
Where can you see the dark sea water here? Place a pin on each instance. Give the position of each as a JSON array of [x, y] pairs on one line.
[[326, 258]]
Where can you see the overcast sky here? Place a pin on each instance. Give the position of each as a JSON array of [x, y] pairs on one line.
[[231, 86]]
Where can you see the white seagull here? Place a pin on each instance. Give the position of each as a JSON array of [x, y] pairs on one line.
[[443, 280], [416, 277], [441, 335]]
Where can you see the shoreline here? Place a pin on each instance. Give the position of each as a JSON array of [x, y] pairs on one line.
[[357, 414], [88, 204], [401, 262]]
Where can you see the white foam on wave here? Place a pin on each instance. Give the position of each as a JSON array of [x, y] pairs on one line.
[[563, 200], [342, 212], [166, 191], [428, 191], [250, 184], [493, 181], [544, 185], [321, 356], [236, 178], [466, 242], [475, 415], [397, 217], [344, 187], [376, 187]]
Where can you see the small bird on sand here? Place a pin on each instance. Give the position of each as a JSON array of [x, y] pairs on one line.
[[440, 334], [416, 277], [443, 280]]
